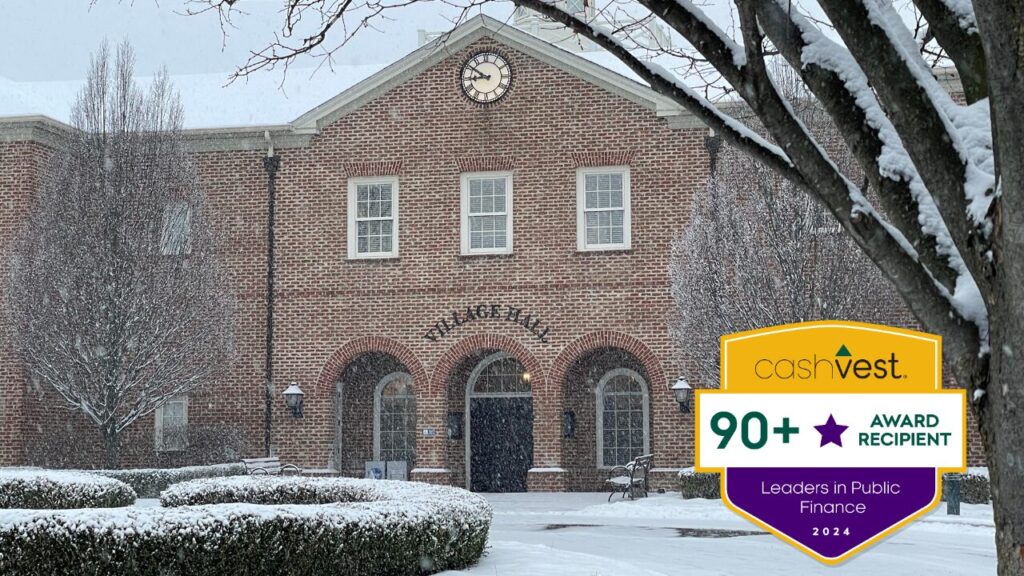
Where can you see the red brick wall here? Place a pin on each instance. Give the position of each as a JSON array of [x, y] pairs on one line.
[[20, 166]]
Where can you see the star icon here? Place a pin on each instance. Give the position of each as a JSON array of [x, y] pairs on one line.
[[831, 433]]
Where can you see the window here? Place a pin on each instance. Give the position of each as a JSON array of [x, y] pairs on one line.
[[603, 216], [172, 425], [395, 422], [373, 217], [487, 213], [176, 235], [575, 6], [500, 375], [622, 418]]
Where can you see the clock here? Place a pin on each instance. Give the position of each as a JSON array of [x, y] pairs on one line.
[[485, 77]]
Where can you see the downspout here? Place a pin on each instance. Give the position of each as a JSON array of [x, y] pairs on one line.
[[270, 164], [712, 143]]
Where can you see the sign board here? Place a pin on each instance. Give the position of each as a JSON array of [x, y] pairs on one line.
[[831, 435], [390, 470]]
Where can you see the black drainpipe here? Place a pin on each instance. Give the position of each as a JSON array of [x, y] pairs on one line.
[[270, 163], [712, 143]]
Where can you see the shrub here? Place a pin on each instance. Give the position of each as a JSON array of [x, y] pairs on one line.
[[55, 489], [699, 484], [150, 482], [370, 527], [974, 486]]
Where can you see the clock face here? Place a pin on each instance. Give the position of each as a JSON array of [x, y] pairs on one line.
[[486, 77]]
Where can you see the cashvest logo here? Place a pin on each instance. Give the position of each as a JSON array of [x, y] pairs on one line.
[[844, 366]]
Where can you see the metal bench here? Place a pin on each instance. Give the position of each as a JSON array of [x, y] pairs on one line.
[[632, 478], [269, 466]]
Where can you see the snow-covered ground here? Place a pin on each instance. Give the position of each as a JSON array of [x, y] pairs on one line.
[[540, 534]]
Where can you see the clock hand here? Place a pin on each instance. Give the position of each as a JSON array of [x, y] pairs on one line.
[[481, 74]]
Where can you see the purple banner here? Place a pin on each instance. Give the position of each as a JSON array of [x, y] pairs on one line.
[[831, 510]]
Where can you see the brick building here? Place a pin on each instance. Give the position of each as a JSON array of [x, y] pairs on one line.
[[471, 253]]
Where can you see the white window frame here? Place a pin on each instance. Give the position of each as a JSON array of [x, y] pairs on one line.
[[581, 209], [376, 407], [353, 245], [464, 205], [158, 425], [170, 245], [600, 411]]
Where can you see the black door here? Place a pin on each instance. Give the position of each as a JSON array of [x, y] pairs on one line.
[[501, 443]]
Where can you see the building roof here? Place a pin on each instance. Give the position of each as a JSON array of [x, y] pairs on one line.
[[293, 109]]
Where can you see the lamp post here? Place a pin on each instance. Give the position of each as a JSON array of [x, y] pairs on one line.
[[293, 399], [681, 390]]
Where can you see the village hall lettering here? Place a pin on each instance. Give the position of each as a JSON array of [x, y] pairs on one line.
[[482, 312]]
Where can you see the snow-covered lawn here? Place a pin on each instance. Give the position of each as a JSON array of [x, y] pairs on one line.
[[541, 534]]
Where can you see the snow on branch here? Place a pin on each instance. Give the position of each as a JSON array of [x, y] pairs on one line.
[[665, 82], [963, 10]]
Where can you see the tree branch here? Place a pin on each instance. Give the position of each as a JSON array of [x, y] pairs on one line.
[[925, 130], [961, 43]]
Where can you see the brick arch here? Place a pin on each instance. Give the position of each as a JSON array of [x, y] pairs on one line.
[[350, 350], [608, 339], [451, 358]]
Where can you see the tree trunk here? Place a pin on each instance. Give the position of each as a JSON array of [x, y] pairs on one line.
[[112, 443], [1004, 447]]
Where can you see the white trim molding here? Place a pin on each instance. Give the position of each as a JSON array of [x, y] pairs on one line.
[[464, 215], [353, 218], [581, 209], [599, 397]]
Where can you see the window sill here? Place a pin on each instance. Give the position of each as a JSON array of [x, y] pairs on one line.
[[472, 255], [605, 250], [381, 259]]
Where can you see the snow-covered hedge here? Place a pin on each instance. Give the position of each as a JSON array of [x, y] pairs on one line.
[[699, 484], [56, 489], [370, 527], [974, 487], [150, 482]]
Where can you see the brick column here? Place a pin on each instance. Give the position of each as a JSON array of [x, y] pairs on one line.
[[431, 459], [547, 473]]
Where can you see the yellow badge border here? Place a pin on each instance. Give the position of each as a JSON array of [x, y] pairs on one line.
[[846, 325]]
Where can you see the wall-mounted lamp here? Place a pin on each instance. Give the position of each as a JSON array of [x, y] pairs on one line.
[[681, 390], [293, 398], [455, 425], [569, 424], [527, 377]]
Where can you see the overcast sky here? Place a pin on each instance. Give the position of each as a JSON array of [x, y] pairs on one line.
[[39, 41]]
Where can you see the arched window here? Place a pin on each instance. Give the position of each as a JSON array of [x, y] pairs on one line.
[[623, 418], [499, 375], [394, 422]]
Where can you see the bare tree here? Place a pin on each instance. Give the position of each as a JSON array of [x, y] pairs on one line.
[[759, 252], [116, 296], [949, 176]]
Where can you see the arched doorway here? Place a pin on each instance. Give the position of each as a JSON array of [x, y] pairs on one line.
[[499, 425]]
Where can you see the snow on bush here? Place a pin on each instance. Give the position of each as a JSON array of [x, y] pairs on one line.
[[56, 489], [699, 484], [329, 526], [150, 482], [974, 486]]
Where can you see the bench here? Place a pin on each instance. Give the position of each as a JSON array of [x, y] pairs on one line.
[[269, 466], [632, 478]]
